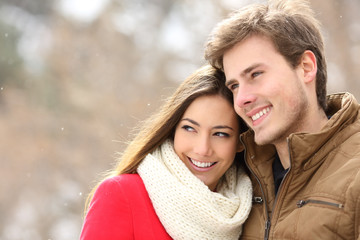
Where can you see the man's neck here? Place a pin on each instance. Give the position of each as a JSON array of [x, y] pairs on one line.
[[282, 147], [283, 153]]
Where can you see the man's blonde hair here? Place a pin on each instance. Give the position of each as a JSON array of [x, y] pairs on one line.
[[290, 25]]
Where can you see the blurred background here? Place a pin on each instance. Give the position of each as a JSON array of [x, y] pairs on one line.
[[76, 76]]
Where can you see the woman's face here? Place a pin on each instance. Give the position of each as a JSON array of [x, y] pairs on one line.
[[207, 138]]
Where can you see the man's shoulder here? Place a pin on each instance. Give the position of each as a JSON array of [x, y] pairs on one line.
[[350, 146]]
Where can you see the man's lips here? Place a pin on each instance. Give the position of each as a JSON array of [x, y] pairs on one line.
[[257, 113]]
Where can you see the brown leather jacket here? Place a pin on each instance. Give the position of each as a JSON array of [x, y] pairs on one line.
[[319, 197]]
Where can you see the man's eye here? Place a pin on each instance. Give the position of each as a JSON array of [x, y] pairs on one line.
[[255, 74], [232, 87]]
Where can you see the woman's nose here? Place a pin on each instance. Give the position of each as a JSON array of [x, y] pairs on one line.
[[203, 146]]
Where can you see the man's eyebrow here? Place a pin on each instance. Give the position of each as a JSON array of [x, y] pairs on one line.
[[243, 73], [229, 82], [250, 68]]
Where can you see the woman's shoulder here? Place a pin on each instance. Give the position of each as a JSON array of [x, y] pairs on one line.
[[120, 188], [124, 178], [123, 181]]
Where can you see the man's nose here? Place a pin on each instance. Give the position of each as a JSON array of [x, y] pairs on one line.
[[244, 96]]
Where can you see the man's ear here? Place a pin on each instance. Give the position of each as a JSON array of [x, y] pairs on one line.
[[309, 66]]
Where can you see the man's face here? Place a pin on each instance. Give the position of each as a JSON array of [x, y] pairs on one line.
[[268, 93]]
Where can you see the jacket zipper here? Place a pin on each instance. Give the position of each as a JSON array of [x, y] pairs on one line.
[[275, 201], [301, 203], [258, 199], [268, 223]]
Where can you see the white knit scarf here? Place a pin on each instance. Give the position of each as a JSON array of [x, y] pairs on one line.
[[186, 207]]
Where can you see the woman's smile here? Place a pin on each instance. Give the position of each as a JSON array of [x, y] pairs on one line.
[[202, 164]]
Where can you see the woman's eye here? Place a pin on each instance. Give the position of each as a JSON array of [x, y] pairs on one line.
[[222, 134], [188, 128]]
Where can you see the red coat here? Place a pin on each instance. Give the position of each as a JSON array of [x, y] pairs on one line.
[[121, 209]]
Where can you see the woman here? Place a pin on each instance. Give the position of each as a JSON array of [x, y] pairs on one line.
[[178, 179]]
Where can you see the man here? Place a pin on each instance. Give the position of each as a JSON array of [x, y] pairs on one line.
[[303, 149]]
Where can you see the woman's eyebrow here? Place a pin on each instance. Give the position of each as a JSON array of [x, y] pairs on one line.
[[215, 127], [190, 120], [222, 127]]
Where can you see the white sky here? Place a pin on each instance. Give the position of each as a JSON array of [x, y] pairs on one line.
[[82, 10]]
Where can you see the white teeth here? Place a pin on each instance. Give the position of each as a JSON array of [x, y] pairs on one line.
[[201, 164], [261, 113]]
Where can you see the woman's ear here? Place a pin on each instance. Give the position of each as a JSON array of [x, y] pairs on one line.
[[240, 147], [309, 66]]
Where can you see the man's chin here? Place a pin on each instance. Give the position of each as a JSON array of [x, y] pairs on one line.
[[261, 139]]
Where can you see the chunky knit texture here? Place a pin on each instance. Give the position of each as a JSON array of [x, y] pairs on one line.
[[186, 207]]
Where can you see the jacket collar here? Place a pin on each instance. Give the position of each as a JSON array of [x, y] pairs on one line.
[[308, 149]]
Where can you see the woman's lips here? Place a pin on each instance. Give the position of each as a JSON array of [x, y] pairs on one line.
[[201, 165]]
